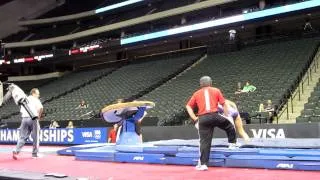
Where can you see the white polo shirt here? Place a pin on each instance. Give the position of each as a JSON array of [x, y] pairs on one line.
[[34, 104]]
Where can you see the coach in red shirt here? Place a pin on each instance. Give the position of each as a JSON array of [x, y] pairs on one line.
[[206, 100]]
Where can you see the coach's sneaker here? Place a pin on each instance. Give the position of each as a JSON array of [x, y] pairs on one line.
[[34, 156], [234, 146], [201, 167], [14, 155]]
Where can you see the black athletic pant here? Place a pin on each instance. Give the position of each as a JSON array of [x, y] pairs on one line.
[[207, 123]]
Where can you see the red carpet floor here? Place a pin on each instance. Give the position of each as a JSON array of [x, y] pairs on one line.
[[114, 171]]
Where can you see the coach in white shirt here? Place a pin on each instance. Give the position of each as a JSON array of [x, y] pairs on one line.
[[28, 125]]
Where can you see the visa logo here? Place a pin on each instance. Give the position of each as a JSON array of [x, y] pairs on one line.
[[87, 134], [268, 133]]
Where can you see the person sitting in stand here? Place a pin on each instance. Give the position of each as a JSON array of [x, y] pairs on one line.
[[270, 108], [54, 125], [247, 88], [70, 124], [82, 105]]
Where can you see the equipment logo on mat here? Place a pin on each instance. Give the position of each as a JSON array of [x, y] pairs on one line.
[[138, 158], [285, 166]]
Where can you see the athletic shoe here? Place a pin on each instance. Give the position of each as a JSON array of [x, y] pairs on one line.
[[201, 167], [14, 155], [37, 156], [233, 146]]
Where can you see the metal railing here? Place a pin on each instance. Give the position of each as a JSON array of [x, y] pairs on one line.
[[306, 77]]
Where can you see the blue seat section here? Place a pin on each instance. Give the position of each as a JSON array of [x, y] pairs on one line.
[[139, 158], [70, 150]]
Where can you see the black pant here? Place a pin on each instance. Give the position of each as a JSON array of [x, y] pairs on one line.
[[207, 123]]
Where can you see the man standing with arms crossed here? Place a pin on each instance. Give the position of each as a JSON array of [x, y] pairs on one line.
[[206, 100], [28, 125]]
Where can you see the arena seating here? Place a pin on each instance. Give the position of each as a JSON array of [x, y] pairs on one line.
[[48, 31], [272, 68], [56, 87], [26, 86], [5, 2], [129, 82], [73, 7], [311, 111]]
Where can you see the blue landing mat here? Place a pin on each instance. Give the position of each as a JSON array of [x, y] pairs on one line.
[[287, 143], [106, 153], [186, 152], [70, 150]]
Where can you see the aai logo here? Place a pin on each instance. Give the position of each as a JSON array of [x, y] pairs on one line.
[[285, 166], [138, 158]]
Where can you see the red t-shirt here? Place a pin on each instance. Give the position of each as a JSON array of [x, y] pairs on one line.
[[113, 135], [206, 100]]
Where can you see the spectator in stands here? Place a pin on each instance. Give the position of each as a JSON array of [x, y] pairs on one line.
[[261, 107], [82, 105], [262, 4], [54, 125], [307, 25], [206, 100], [239, 86], [247, 88], [112, 137], [269, 107], [232, 34], [70, 124]]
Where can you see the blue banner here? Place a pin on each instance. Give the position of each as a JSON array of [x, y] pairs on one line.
[[60, 136]]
